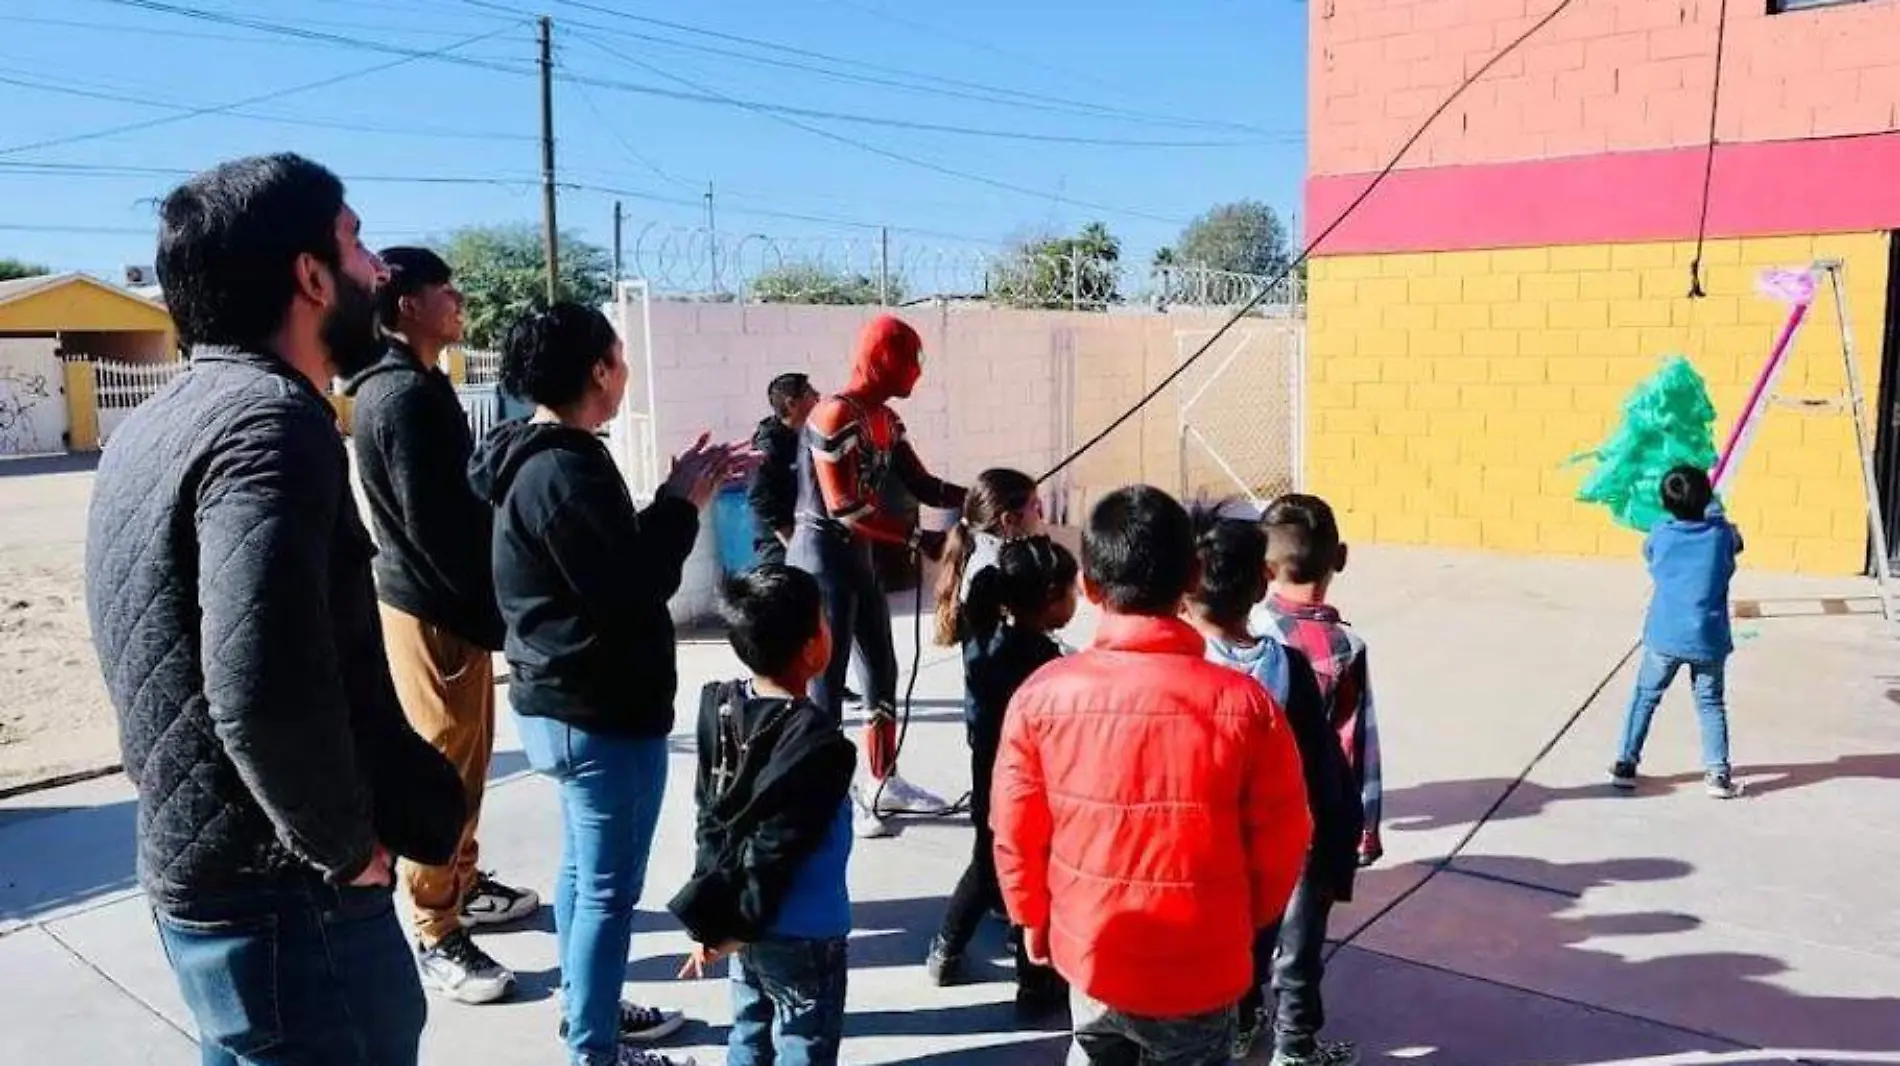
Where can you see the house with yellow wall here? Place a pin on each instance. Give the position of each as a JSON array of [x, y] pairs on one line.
[[52, 328]]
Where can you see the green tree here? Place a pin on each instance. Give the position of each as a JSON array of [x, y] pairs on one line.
[[502, 273], [1245, 237], [1083, 271], [20, 268], [811, 282]]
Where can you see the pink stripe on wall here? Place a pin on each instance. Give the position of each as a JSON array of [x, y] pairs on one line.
[[1841, 185]]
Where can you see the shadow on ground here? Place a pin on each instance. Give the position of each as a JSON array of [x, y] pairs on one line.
[[1534, 932], [1452, 804]]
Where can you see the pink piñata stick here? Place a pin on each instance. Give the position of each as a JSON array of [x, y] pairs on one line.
[[1797, 288]]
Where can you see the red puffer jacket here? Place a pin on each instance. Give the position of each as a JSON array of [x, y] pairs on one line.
[[1150, 813]]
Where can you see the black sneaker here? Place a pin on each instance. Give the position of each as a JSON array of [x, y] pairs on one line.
[[1247, 1033], [1623, 776], [1322, 1053], [490, 902], [1721, 786], [460, 970], [643, 1025], [944, 966]]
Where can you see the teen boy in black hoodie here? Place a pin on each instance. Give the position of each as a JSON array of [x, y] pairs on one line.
[[440, 623], [583, 579]]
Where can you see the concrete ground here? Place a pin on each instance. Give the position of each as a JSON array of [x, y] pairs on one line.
[[1524, 913]]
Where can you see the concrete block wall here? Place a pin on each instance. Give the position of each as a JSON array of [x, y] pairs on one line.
[[997, 389], [1448, 390], [1000, 388], [1605, 76]]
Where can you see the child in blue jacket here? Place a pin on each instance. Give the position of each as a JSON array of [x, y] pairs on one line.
[[1691, 559]]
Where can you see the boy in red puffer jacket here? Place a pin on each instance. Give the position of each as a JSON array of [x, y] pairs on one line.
[[1149, 809]]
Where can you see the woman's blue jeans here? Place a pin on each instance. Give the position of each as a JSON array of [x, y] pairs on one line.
[[611, 788]]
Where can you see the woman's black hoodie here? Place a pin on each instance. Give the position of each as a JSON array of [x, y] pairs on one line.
[[582, 579]]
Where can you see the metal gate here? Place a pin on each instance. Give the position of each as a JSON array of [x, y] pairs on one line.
[[631, 433], [32, 396], [1239, 422], [119, 388]]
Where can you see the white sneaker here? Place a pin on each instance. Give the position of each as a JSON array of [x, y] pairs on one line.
[[865, 824], [902, 796], [458, 969]]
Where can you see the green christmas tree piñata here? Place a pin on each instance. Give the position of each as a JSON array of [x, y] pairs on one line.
[[1667, 422]]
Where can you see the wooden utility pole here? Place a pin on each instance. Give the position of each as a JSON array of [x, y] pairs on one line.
[[617, 223], [553, 236]]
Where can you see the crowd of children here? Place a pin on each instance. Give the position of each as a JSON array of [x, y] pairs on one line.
[[1140, 808]]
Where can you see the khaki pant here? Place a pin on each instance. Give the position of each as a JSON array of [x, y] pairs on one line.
[[447, 689]]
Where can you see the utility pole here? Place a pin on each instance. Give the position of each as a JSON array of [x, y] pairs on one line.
[[712, 239], [617, 222], [553, 235], [884, 265]]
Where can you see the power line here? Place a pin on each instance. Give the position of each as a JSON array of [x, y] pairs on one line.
[[73, 89], [149, 31], [1352, 207], [905, 80], [525, 182], [133, 127], [613, 131], [113, 170], [698, 94], [1012, 97], [878, 150], [979, 45]]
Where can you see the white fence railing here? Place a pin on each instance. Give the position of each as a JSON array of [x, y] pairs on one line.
[[118, 388], [483, 368], [481, 404]]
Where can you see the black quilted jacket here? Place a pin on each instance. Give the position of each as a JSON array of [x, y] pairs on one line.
[[228, 584]]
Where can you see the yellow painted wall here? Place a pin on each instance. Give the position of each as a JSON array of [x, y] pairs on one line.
[[1446, 391], [82, 406], [81, 306]]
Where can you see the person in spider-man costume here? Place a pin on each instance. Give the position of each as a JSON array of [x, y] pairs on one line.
[[854, 443]]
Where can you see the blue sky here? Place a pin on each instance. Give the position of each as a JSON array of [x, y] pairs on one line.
[[1211, 92]]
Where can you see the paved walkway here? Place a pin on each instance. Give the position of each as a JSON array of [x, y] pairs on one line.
[[1543, 922]]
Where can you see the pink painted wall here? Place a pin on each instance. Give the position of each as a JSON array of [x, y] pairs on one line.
[[1000, 388], [1605, 76]]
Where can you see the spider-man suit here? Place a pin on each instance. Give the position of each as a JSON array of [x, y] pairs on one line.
[[854, 442]]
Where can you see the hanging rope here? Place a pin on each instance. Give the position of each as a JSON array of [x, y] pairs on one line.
[[1696, 291]]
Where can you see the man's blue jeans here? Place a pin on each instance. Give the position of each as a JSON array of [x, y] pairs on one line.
[[310, 976], [611, 789], [788, 1003], [1710, 684]]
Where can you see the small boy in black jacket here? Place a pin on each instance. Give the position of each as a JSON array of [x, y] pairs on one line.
[[774, 829]]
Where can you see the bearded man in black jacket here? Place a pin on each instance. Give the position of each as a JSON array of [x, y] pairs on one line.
[[228, 585]]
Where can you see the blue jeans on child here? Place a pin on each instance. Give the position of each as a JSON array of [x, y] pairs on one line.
[[1652, 680], [611, 789], [1105, 1036], [787, 1003], [312, 975]]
